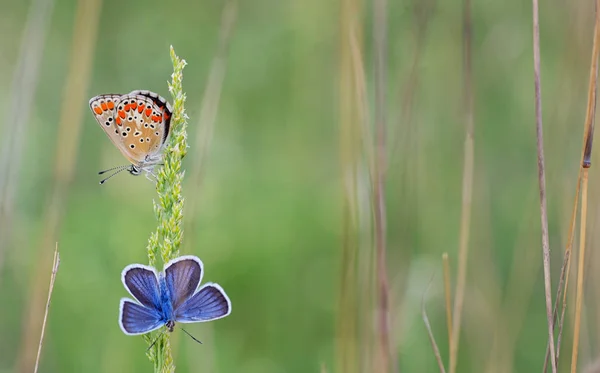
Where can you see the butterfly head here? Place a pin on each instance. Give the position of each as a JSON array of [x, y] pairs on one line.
[[135, 170], [170, 325]]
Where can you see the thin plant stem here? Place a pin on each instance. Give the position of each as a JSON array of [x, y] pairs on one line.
[[467, 187], [367, 253], [448, 296], [380, 71], [585, 162], [55, 265], [347, 352], [542, 182], [580, 271], [436, 350]]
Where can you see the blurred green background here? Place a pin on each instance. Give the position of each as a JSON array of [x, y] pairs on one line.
[[266, 213]]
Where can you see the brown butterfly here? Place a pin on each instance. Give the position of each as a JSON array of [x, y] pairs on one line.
[[138, 123]]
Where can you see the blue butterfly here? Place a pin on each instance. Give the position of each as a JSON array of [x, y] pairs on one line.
[[170, 296]]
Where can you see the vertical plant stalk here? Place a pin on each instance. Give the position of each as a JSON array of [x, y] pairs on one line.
[[580, 271], [367, 254], [383, 291], [348, 321], [166, 240], [542, 182], [22, 92], [85, 29], [448, 296], [585, 162], [55, 265], [585, 165], [467, 187], [436, 350]]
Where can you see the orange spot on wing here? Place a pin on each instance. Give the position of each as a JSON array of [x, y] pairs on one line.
[[118, 121], [156, 118], [97, 110], [111, 105], [141, 108], [166, 115], [104, 107], [134, 105], [122, 114], [127, 107], [148, 111]]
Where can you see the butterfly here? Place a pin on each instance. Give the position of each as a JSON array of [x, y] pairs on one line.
[[169, 297], [138, 124]]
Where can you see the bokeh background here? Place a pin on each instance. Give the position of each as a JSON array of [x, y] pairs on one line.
[[278, 193]]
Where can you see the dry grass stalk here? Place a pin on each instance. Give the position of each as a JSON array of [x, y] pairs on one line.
[[467, 188], [580, 271], [542, 182], [448, 295], [347, 314], [436, 350], [55, 264]]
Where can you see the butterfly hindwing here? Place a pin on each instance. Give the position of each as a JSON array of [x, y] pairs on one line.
[[140, 124], [209, 303], [136, 319], [164, 107]]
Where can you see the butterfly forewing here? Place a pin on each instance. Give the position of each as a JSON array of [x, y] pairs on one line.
[[142, 284], [103, 107], [182, 277]]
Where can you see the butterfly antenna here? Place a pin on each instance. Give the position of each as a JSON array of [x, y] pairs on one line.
[[194, 338], [114, 168], [155, 340], [111, 175]]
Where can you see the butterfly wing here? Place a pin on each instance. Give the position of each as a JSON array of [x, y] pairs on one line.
[[142, 283], [104, 108], [140, 123], [163, 105], [182, 277], [209, 303], [137, 123], [136, 319]]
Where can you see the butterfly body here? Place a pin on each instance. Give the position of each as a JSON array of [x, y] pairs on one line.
[[169, 297], [137, 123]]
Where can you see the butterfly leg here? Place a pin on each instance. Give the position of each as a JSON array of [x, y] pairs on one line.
[[151, 176]]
